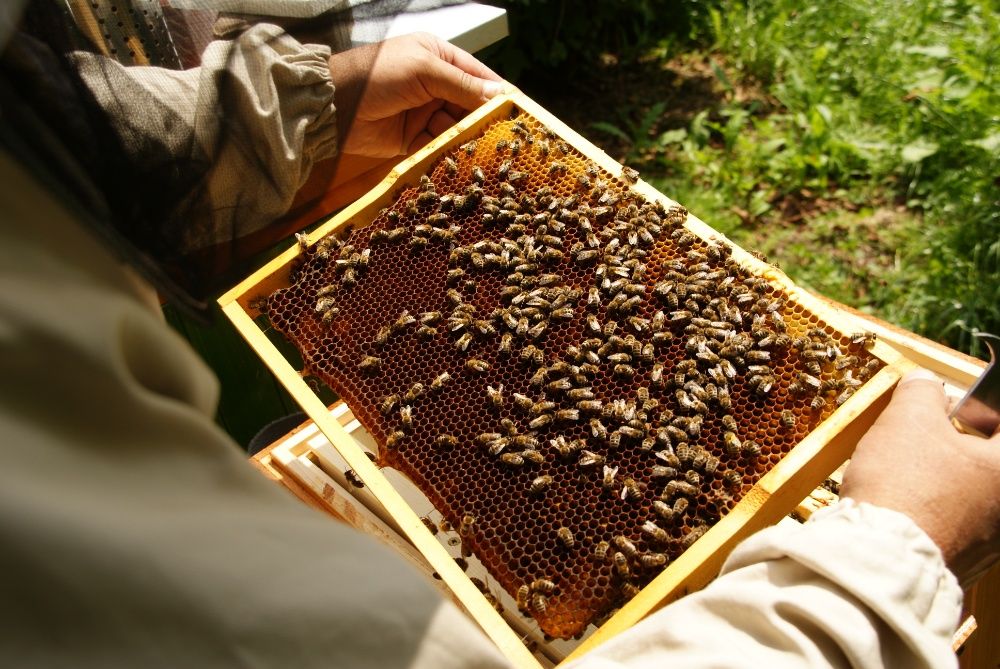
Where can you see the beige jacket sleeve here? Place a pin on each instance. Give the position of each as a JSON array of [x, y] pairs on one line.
[[232, 140], [858, 586]]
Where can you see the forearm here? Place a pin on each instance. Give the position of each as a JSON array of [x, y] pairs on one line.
[[858, 587]]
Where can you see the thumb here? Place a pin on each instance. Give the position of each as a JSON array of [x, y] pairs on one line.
[[446, 82], [920, 390]]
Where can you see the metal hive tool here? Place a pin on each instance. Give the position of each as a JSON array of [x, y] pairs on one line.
[[577, 383]]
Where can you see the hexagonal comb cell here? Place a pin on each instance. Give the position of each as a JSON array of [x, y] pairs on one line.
[[577, 382]]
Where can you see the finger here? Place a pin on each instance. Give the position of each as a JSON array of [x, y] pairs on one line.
[[446, 82], [920, 388], [455, 111], [419, 142], [465, 61], [416, 123], [439, 122]]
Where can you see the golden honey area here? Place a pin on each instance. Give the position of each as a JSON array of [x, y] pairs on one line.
[[579, 384]]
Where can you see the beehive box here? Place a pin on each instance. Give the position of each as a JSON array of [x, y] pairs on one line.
[[597, 391]]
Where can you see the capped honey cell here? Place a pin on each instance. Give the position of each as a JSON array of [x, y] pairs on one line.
[[570, 375]]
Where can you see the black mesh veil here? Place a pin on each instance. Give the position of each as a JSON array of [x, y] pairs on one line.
[[88, 97]]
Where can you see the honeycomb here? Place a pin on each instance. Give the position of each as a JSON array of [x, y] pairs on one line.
[[578, 384]]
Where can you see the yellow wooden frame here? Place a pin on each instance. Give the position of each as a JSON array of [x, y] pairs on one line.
[[774, 496]]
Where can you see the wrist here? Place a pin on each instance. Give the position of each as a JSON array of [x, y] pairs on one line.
[[348, 72]]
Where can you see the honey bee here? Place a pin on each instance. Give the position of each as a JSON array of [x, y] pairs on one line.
[[515, 147], [477, 174], [523, 593], [630, 488], [508, 426], [664, 511], [469, 147], [539, 604], [533, 456], [621, 564], [487, 438], [406, 417], [846, 361], [845, 395], [651, 560], [446, 441], [506, 340], [414, 393], [543, 585], [382, 336], [608, 479], [865, 339], [565, 536], [817, 403], [394, 439], [465, 528], [624, 371], [731, 478], [526, 441], [325, 304], [440, 219], [536, 330], [540, 421], [693, 536], [349, 277], [512, 459], [560, 385], [429, 524], [625, 546], [501, 145], [353, 479], [389, 403], [590, 406], [523, 402], [630, 174], [540, 484], [750, 449], [732, 443], [809, 381], [662, 471], [601, 551], [495, 396], [538, 378], [680, 506], [440, 380], [370, 364], [590, 459], [476, 365], [567, 415]]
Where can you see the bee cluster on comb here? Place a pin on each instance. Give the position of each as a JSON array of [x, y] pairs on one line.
[[579, 384]]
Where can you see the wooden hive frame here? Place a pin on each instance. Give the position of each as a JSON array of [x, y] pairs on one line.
[[775, 495]]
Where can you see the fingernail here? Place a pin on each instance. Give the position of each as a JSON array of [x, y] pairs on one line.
[[920, 374], [492, 88]]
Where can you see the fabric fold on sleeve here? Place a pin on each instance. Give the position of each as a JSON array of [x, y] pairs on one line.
[[226, 144]]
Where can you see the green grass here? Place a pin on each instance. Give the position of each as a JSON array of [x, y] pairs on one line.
[[856, 143]]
